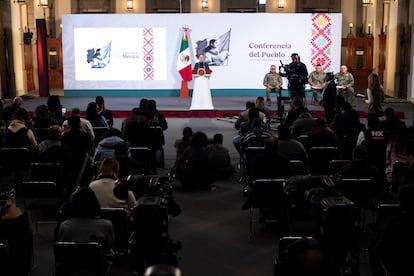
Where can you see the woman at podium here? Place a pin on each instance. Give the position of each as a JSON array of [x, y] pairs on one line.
[[201, 64], [201, 99]]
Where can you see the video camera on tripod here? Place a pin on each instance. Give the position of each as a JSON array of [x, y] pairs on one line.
[[283, 69], [150, 242]]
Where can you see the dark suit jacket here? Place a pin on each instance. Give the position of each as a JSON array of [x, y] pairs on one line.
[[199, 65]]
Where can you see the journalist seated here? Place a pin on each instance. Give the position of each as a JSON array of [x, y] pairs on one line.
[[83, 223]]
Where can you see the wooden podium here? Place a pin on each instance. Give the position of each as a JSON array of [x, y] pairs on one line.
[[201, 99]]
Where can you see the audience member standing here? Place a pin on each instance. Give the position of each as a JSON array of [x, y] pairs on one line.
[[346, 126], [94, 117], [159, 125], [102, 110], [375, 96], [329, 97]]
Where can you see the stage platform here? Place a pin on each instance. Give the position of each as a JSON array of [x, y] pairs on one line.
[[175, 107]]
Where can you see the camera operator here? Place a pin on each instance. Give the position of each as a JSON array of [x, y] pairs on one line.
[[297, 76], [150, 242]]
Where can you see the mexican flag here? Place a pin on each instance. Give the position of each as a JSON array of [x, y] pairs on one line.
[[184, 60]]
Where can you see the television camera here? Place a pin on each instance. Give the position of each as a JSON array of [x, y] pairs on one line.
[[293, 73], [150, 242]]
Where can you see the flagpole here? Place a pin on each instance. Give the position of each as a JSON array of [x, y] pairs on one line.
[[184, 83], [181, 7]]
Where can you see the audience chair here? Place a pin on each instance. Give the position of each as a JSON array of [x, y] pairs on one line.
[[16, 161], [296, 167], [45, 171], [43, 197], [248, 154], [120, 221], [3, 251], [383, 211], [336, 165], [76, 258], [287, 246], [144, 157], [162, 269], [320, 158], [359, 190], [267, 195], [303, 138]]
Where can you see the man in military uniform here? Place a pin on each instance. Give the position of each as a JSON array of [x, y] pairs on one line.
[[345, 83], [297, 75], [317, 80], [273, 82]]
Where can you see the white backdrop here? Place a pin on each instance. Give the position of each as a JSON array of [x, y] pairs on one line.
[[144, 47]]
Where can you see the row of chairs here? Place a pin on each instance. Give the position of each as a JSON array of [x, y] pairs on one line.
[[338, 218], [88, 258]]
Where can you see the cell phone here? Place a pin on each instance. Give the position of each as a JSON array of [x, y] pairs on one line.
[[63, 110]]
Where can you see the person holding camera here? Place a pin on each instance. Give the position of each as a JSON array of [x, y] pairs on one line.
[[297, 76], [273, 83]]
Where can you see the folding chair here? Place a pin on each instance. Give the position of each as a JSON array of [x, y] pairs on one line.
[[80, 258], [320, 157], [287, 244], [336, 165], [268, 196], [17, 161], [144, 157], [162, 269], [249, 153], [43, 197], [120, 221]]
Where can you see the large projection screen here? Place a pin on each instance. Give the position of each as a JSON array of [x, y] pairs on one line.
[[136, 54]]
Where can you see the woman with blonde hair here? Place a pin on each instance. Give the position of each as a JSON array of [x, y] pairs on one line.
[[105, 183]]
